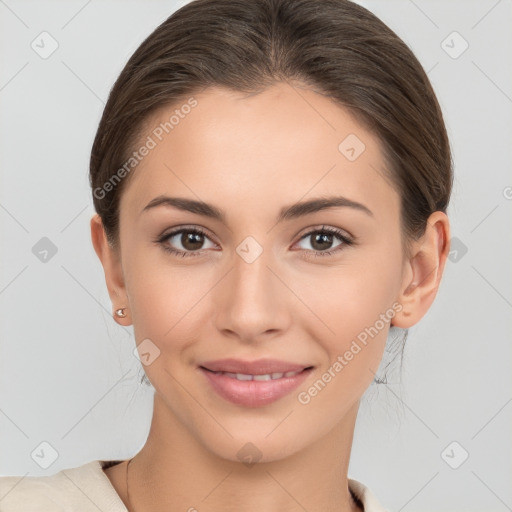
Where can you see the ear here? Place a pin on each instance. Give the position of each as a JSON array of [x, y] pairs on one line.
[[423, 271], [111, 261]]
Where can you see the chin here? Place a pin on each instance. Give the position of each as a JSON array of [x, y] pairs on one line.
[[251, 450]]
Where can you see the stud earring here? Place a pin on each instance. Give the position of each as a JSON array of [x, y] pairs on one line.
[[120, 313]]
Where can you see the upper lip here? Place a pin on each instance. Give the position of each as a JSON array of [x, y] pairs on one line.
[[258, 367]]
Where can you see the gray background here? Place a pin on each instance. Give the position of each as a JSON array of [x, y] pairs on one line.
[[68, 376]]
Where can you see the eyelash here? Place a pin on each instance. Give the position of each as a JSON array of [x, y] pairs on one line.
[[324, 230]]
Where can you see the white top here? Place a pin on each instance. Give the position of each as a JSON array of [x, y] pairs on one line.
[[88, 489]]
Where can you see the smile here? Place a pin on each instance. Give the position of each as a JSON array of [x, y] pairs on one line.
[[254, 390], [265, 376]]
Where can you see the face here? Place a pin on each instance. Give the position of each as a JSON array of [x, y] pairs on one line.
[[314, 288]]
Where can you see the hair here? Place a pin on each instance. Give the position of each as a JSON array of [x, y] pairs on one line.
[[335, 47]]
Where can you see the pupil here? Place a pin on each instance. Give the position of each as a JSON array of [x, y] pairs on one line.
[[189, 239], [322, 238]]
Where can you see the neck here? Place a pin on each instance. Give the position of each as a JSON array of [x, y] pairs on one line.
[[174, 471]]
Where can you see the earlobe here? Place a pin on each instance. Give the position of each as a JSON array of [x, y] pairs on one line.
[[111, 262], [424, 271]]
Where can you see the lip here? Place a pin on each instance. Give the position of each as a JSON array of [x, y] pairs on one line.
[[253, 393]]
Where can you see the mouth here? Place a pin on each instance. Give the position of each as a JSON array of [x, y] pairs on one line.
[[259, 377], [253, 384]]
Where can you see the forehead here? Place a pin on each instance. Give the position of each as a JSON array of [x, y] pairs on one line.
[[280, 145]]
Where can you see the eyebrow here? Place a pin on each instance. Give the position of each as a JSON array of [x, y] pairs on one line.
[[287, 213]]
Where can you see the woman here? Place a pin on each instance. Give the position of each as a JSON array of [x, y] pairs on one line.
[[271, 180]]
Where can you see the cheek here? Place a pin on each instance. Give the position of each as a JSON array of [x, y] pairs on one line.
[[356, 305], [165, 298], [358, 314]]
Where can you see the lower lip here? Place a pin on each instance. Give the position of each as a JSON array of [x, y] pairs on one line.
[[253, 393]]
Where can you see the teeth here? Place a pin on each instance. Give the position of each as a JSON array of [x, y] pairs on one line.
[[266, 376]]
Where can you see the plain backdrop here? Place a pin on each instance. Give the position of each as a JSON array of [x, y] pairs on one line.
[[439, 439]]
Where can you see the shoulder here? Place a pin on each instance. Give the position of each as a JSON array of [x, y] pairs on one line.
[[364, 497], [81, 488]]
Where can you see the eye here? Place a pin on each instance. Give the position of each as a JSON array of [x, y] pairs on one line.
[[188, 240], [322, 241]]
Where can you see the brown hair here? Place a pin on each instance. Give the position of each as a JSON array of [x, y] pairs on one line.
[[336, 47]]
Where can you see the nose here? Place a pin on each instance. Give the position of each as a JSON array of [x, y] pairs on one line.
[[251, 302]]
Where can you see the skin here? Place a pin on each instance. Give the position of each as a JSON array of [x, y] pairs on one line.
[[250, 156]]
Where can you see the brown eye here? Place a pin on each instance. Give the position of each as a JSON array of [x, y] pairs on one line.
[[321, 241], [185, 242], [191, 241]]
